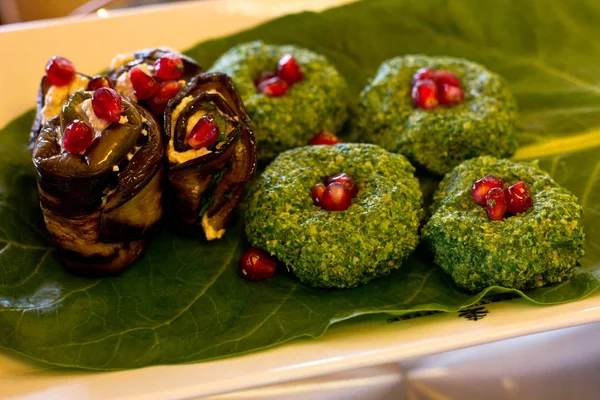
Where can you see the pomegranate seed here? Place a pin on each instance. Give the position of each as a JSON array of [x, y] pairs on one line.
[[273, 87], [423, 74], [98, 82], [205, 133], [450, 94], [77, 137], [481, 187], [446, 78], [169, 67], [289, 70], [107, 104], [316, 193], [60, 71], [345, 180], [336, 197], [325, 137], [519, 198], [496, 203], [425, 94], [166, 91], [255, 265], [144, 85], [264, 76]]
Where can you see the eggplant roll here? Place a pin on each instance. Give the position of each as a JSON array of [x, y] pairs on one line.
[[207, 183], [51, 99], [121, 64], [100, 205]]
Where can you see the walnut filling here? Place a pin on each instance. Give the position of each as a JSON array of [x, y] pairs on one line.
[[57, 96]]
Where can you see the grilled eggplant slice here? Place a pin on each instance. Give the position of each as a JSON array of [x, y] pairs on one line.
[[206, 184], [145, 59], [51, 99], [100, 206]]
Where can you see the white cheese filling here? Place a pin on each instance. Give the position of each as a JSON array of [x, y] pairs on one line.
[[124, 87], [210, 232], [97, 124]]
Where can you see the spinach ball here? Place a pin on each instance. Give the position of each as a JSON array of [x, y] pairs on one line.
[[316, 103], [528, 250], [439, 138], [336, 249]]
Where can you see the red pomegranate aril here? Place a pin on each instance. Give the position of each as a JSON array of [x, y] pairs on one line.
[[273, 87], [326, 138], [425, 94], [345, 180], [106, 103], [423, 74], [449, 95], [519, 198], [289, 70], [98, 82], [316, 193], [167, 90], [169, 67], [60, 71], [496, 203], [144, 85], [446, 78], [77, 137], [481, 187], [205, 133], [256, 265], [336, 197], [264, 76]]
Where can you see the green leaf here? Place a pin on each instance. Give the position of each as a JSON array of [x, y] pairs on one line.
[[184, 301]]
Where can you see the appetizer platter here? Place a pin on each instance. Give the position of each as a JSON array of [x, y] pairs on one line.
[[190, 205]]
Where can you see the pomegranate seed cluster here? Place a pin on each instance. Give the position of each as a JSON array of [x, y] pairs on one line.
[[337, 195], [432, 87], [490, 191], [158, 83], [277, 84], [106, 104]]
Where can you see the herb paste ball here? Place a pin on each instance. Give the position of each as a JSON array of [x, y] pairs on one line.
[[539, 243], [325, 246], [291, 93], [437, 111]]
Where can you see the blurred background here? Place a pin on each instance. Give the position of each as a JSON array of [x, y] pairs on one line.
[[14, 11]]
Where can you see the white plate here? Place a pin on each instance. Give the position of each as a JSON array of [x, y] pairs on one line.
[[360, 343]]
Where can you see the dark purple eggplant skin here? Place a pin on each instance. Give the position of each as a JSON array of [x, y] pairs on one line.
[[100, 218], [41, 97], [237, 156]]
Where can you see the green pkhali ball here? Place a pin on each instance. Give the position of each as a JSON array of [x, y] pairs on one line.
[[441, 138], [317, 103], [336, 249], [537, 247]]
